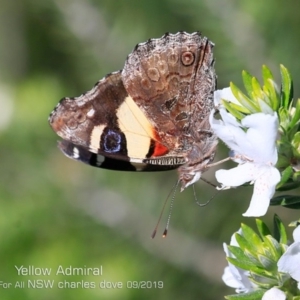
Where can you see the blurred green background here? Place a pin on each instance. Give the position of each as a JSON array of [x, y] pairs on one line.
[[56, 212]]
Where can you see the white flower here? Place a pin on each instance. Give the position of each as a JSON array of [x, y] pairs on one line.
[[235, 277], [289, 262], [274, 294], [253, 144], [226, 94]]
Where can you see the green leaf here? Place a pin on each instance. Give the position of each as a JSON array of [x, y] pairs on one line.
[[296, 145], [283, 248], [273, 95], [265, 105], [257, 91], [249, 248], [255, 295], [267, 262], [246, 264], [263, 273], [284, 118], [262, 228], [296, 116], [235, 109], [274, 249], [270, 87], [296, 176], [252, 238], [288, 201], [240, 256], [279, 230], [285, 175], [252, 257], [266, 74], [263, 281], [243, 99], [286, 88], [265, 277], [247, 79], [290, 185]]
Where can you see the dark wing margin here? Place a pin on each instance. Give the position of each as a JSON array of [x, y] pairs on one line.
[[116, 163]]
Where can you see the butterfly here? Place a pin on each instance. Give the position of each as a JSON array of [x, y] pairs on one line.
[[151, 116]]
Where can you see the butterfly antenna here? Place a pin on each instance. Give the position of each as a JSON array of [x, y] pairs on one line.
[[211, 198], [174, 188], [206, 181], [170, 211], [219, 162]]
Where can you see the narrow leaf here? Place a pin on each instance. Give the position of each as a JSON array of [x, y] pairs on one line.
[[262, 228], [247, 79], [296, 145], [267, 262], [285, 175], [273, 247], [270, 88], [245, 265], [239, 254], [296, 116], [235, 109], [243, 99], [286, 88], [273, 95], [279, 230], [252, 237], [266, 74], [255, 295], [288, 201], [290, 185], [257, 91]]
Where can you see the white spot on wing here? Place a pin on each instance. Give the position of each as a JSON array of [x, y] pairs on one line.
[[100, 160], [90, 113], [136, 160], [75, 153], [96, 137]]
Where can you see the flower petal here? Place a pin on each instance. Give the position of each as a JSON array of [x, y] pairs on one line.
[[238, 279], [296, 234], [257, 144], [261, 136], [234, 276], [264, 189], [230, 279], [274, 294], [228, 130], [225, 94], [289, 262], [237, 176]]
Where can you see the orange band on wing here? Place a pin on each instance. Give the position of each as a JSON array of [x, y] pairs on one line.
[[159, 149]]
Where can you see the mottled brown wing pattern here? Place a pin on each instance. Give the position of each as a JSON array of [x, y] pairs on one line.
[[172, 80], [83, 119], [152, 115]]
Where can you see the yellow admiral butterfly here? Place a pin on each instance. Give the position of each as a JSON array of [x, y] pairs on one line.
[[150, 116]]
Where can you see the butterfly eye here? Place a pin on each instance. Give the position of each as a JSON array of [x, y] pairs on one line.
[[187, 58], [79, 116], [145, 83], [72, 124], [162, 67], [173, 58], [153, 74]]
